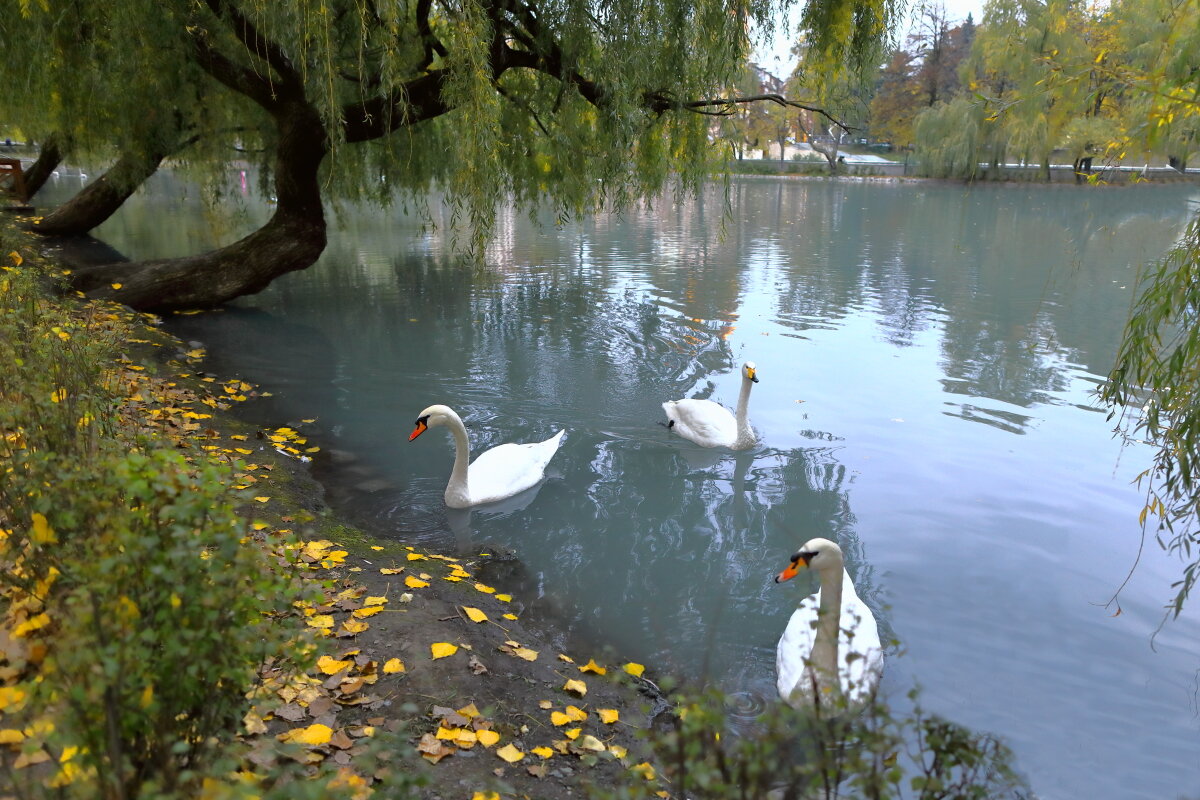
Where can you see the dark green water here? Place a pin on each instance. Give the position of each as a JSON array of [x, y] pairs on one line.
[[926, 356]]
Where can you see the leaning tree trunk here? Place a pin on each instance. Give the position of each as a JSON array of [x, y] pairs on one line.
[[293, 238], [100, 199], [49, 157]]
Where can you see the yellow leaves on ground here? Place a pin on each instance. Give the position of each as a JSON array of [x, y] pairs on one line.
[[644, 769], [474, 614], [608, 715], [11, 736], [10, 696], [487, 738], [515, 649], [510, 753], [576, 686], [417, 557], [354, 626], [572, 714], [366, 611], [504, 598], [30, 625], [485, 589], [634, 669], [592, 666], [544, 752], [332, 666], [415, 583], [391, 570], [589, 742], [42, 533], [320, 621], [393, 665], [314, 735], [443, 649], [261, 499], [485, 796]]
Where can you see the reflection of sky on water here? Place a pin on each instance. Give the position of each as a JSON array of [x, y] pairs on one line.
[[904, 334]]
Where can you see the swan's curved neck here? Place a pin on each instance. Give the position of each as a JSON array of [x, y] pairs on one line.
[[462, 457], [743, 425], [824, 658]]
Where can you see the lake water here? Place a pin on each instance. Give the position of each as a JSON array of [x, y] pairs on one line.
[[927, 355]]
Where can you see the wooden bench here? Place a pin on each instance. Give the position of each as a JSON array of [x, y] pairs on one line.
[[12, 178]]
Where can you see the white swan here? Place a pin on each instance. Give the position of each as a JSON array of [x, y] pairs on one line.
[[831, 644], [710, 424], [501, 472]]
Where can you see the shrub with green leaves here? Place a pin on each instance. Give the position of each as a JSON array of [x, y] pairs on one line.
[[822, 753], [131, 597]]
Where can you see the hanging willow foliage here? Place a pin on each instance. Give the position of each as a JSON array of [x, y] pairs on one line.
[[575, 100], [1154, 390]]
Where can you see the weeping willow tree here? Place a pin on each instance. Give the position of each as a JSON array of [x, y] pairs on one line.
[[561, 103], [1154, 389], [950, 140]]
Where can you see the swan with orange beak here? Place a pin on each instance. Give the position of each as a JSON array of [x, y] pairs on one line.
[[829, 655], [496, 474]]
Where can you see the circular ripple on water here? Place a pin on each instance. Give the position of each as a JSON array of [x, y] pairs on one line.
[[744, 706]]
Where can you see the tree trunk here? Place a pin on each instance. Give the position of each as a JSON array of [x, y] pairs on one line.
[[49, 157], [293, 238], [100, 199]]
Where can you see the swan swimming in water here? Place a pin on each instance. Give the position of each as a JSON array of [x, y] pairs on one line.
[[503, 471], [710, 424], [831, 644]]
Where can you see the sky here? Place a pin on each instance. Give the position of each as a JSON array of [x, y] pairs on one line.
[[775, 58]]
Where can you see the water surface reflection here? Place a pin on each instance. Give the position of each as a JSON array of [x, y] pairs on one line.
[[926, 357]]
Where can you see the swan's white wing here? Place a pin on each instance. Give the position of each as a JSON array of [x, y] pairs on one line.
[[791, 654], [860, 653], [703, 421], [509, 469]]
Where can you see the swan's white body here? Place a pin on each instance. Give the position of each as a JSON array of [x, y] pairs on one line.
[[831, 644], [496, 474], [710, 424]]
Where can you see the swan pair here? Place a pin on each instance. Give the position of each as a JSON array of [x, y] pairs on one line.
[[510, 469]]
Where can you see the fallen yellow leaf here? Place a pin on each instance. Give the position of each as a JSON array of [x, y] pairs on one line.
[[573, 733], [375, 601], [486, 796], [558, 718], [644, 769], [474, 614], [261, 499], [484, 589], [608, 715], [544, 752], [316, 734], [369, 611], [589, 742], [11, 736], [331, 666], [393, 665], [504, 598], [576, 686], [415, 583], [320, 621], [391, 570], [510, 754], [633, 669], [510, 616], [487, 738], [443, 649], [354, 626], [577, 714], [116, 285], [592, 666], [42, 532], [617, 750]]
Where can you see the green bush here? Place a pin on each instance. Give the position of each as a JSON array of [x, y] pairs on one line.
[[134, 600], [827, 754]]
